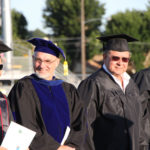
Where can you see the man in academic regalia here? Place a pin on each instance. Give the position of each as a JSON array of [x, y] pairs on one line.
[[112, 101], [142, 79], [5, 112], [48, 106]]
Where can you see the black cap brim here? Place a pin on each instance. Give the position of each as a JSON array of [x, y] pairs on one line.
[[123, 36], [4, 48]]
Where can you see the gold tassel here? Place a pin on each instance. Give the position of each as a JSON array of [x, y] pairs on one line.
[[65, 68]]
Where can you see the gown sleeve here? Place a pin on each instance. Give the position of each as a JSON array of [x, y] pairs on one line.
[[144, 129], [26, 111], [76, 136], [142, 80], [89, 95], [10, 112]]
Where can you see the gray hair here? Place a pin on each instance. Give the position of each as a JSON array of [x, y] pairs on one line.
[[107, 52]]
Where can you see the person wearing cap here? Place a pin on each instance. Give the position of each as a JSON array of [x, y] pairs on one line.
[[5, 111], [47, 105], [142, 79], [112, 101]]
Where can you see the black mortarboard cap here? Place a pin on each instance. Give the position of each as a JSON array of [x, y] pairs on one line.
[[118, 42], [3, 47], [46, 46]]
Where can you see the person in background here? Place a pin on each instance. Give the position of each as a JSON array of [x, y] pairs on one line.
[[112, 101], [5, 112], [47, 105], [142, 79]]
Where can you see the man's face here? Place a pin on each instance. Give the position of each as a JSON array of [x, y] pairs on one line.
[[45, 64], [116, 62]]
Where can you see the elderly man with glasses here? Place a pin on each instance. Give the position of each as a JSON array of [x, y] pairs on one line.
[[111, 99], [47, 105]]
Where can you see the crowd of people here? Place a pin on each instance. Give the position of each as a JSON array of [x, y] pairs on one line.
[[109, 110]]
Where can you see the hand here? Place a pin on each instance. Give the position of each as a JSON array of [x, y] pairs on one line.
[[2, 148], [65, 147]]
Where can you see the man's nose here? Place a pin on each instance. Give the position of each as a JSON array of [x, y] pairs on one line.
[[119, 61], [42, 64]]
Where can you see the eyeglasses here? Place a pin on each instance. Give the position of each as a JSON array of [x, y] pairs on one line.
[[116, 58], [46, 62], [1, 66]]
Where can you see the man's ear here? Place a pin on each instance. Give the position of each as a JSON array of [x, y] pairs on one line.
[[104, 56], [57, 62]]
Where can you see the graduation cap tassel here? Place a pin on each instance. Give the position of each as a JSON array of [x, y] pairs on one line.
[[65, 65]]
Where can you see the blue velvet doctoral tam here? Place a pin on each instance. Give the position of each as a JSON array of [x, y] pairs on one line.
[[54, 106]]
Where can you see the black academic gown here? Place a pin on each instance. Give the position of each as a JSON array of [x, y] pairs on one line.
[[142, 79], [26, 105], [5, 116], [113, 116]]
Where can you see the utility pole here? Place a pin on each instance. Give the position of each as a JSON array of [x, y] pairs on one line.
[[7, 28], [83, 51], [0, 14]]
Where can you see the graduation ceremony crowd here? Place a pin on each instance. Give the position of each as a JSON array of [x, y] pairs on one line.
[[109, 110]]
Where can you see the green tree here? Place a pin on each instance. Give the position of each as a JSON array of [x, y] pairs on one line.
[[128, 22], [148, 6], [63, 17], [19, 25], [145, 27], [37, 33]]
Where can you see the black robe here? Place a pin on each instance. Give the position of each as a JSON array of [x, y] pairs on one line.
[[25, 102], [113, 116], [142, 79]]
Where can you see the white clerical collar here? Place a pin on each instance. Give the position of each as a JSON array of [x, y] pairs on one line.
[[124, 76]]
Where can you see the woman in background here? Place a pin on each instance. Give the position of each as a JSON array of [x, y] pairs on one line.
[[5, 112]]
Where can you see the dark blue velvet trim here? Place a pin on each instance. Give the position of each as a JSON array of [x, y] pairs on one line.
[[54, 107], [50, 83], [14, 116]]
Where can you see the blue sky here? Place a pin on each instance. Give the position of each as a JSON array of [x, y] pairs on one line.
[[114, 6], [32, 9]]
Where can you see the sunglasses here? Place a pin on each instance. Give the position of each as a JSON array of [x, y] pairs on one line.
[[116, 58], [1, 66]]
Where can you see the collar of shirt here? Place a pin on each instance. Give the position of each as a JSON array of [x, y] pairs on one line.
[[124, 76]]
